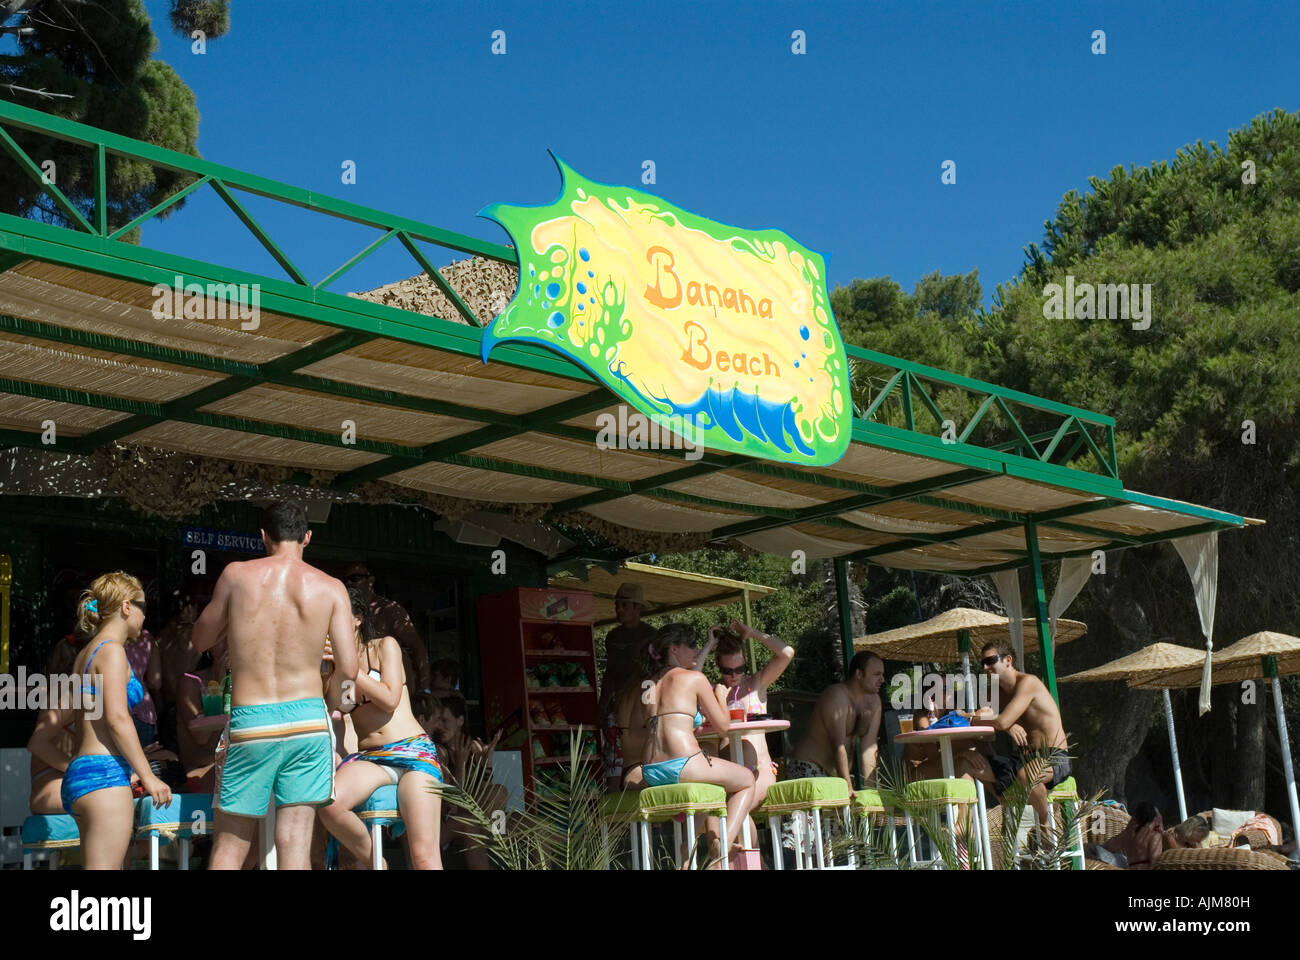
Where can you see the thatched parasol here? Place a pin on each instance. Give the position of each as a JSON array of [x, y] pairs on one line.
[[952, 635], [1143, 664], [1263, 655], [939, 638]]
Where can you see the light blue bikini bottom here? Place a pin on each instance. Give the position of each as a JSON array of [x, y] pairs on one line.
[[666, 772]]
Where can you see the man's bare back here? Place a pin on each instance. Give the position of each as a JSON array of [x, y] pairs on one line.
[[276, 612], [836, 715]]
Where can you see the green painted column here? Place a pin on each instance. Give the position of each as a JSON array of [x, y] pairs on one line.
[[846, 642], [1040, 609]]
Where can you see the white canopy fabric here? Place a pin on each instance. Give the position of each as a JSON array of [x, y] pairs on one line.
[[1008, 584], [1200, 555]]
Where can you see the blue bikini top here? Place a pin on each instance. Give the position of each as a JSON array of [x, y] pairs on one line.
[[134, 688]]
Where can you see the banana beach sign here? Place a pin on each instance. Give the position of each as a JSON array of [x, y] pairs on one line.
[[723, 332]]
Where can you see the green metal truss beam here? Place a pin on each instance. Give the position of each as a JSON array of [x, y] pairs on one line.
[[301, 299]]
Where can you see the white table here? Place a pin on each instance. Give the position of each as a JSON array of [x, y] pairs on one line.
[[741, 728], [945, 737]]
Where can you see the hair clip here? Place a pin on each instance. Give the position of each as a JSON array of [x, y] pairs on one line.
[[92, 605]]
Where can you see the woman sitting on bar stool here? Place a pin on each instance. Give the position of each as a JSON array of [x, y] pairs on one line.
[[675, 700], [393, 748]]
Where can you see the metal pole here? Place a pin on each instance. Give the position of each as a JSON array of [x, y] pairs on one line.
[[1173, 751], [1040, 598], [963, 644], [1270, 669]]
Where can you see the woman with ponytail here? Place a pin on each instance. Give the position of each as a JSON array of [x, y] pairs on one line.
[[97, 785]]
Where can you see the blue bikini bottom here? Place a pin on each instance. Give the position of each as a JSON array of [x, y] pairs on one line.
[[666, 772], [92, 772]]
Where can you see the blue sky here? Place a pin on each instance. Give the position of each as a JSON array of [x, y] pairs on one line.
[[841, 147]]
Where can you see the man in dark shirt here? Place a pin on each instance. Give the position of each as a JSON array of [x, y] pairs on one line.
[[391, 620], [625, 645]]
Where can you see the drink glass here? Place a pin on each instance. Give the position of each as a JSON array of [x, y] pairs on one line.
[[904, 723], [738, 714]]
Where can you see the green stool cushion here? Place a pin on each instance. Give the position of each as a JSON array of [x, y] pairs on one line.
[[867, 801], [1067, 789], [623, 807], [939, 792], [663, 803], [808, 793]]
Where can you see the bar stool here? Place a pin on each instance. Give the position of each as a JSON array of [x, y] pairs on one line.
[[1066, 793], [950, 794], [805, 795], [378, 811], [660, 804], [190, 815], [869, 807], [624, 807], [45, 836]]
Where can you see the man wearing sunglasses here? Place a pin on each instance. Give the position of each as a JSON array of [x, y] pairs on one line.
[[740, 690], [392, 620], [1033, 720]]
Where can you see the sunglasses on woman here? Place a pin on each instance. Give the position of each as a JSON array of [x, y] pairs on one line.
[[731, 671], [138, 603]]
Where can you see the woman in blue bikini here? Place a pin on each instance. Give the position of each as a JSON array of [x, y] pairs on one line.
[[97, 785], [675, 701]]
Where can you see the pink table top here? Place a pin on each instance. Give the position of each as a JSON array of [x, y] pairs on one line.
[[951, 733], [706, 732], [208, 723]]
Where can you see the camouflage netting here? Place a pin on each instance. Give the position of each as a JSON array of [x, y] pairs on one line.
[[486, 286]]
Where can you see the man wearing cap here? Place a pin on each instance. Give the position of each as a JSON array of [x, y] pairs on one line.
[[625, 650], [625, 645]]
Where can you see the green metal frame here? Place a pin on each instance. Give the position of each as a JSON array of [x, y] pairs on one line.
[[95, 245]]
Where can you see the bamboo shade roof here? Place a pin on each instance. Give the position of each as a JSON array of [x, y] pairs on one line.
[[343, 390], [666, 590], [440, 421]]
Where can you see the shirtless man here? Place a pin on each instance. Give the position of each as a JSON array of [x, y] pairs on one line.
[[844, 711], [275, 613], [1033, 720]]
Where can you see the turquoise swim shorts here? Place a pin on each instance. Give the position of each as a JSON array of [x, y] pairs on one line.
[[283, 751]]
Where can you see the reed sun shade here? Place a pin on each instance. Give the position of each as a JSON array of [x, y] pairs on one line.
[[938, 640], [666, 590], [1020, 479]]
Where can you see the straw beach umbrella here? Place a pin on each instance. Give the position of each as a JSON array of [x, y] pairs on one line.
[[1144, 664], [1263, 655], [951, 636]]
